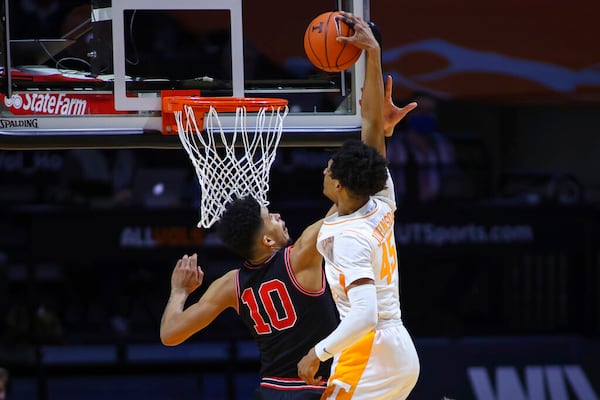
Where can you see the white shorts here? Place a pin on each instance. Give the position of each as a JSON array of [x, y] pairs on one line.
[[383, 365]]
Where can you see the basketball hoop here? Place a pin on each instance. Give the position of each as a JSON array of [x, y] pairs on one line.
[[228, 165]]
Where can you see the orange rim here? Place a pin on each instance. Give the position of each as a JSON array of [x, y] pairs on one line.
[[172, 103], [223, 104]]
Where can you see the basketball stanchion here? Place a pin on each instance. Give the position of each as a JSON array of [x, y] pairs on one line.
[[230, 162]]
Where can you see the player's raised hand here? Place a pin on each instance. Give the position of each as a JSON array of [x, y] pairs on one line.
[[363, 37], [187, 275], [392, 114]]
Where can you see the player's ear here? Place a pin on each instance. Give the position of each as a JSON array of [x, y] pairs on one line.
[[267, 241]]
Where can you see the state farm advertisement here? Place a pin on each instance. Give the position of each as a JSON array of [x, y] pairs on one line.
[[60, 103]]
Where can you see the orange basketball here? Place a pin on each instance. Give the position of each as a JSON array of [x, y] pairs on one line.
[[322, 48]]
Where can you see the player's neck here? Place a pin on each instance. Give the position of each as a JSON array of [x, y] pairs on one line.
[[261, 258], [349, 206]]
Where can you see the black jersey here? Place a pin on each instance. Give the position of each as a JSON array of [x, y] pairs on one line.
[[285, 319]]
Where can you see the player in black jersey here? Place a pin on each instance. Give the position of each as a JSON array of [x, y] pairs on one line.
[[279, 292]]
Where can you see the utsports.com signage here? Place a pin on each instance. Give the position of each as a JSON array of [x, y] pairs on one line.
[[438, 234], [531, 368]]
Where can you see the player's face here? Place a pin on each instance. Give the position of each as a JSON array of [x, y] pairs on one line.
[[329, 184], [275, 227]]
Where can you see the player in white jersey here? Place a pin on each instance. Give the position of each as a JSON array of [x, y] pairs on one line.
[[373, 354]]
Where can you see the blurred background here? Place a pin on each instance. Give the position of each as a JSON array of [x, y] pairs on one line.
[[497, 229]]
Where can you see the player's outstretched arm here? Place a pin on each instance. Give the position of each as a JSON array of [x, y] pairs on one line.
[[179, 323], [372, 92], [304, 254]]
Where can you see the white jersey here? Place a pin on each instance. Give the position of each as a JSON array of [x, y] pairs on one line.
[[362, 245], [383, 364]]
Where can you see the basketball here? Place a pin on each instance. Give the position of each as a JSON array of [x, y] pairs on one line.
[[322, 48]]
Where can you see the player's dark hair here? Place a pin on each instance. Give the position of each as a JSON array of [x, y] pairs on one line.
[[360, 168], [239, 226]]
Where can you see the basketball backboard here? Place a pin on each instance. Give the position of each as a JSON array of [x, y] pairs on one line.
[[138, 48]]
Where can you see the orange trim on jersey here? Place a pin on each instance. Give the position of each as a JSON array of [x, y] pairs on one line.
[[343, 284], [353, 218], [349, 369], [359, 233]]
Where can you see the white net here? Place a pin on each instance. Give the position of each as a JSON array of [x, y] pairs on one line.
[[234, 164]]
